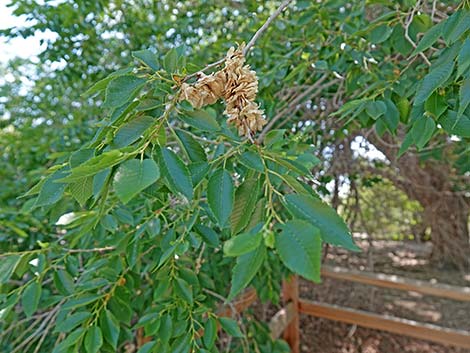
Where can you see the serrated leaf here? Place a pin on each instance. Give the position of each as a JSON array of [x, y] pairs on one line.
[[30, 298], [134, 176], [102, 84], [436, 105], [7, 267], [148, 58], [63, 282], [455, 125], [198, 171], [464, 58], [95, 165], [82, 190], [299, 246], [252, 160], [69, 341], [375, 109], [110, 327], [422, 130], [332, 228], [51, 190], [464, 97], [210, 333], [176, 172], [122, 89], [246, 268], [392, 116], [209, 235], [131, 131], [220, 195], [170, 61], [93, 339], [242, 244], [230, 326], [72, 321], [200, 119], [429, 38], [193, 149], [456, 25], [245, 201], [433, 80], [184, 290]]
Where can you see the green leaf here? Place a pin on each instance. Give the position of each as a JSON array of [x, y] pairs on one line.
[[122, 89], [80, 301], [198, 171], [252, 160], [193, 149], [51, 190], [455, 26], [245, 201], [464, 97], [299, 246], [464, 58], [220, 195], [148, 58], [183, 290], [333, 229], [7, 267], [93, 339], [230, 326], [392, 116], [436, 105], [375, 109], [429, 38], [110, 327], [102, 84], [70, 340], [209, 235], [245, 269], [200, 119], [95, 165], [242, 244], [166, 328], [72, 321], [210, 333], [381, 33], [170, 60], [455, 125], [433, 80], [82, 190], [133, 130], [147, 348], [134, 176], [176, 172], [64, 282], [422, 130], [30, 298]]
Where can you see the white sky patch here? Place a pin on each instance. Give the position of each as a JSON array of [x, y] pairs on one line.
[[26, 48]]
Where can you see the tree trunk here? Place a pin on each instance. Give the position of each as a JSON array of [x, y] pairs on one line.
[[448, 218], [432, 184]]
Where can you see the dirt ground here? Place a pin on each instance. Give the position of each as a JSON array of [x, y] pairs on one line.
[[403, 259]]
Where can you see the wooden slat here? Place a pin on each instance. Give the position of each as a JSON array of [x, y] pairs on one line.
[[280, 320], [290, 293], [387, 323], [396, 282]]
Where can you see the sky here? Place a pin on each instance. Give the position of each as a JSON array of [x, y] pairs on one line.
[[24, 48]]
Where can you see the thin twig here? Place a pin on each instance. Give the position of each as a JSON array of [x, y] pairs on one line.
[[263, 28], [250, 44], [407, 35], [106, 248]]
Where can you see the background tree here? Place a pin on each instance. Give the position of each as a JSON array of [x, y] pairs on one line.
[[146, 208]]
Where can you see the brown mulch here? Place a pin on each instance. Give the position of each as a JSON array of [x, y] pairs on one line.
[[399, 258]]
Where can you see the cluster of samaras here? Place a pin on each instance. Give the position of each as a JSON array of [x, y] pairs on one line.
[[237, 85]]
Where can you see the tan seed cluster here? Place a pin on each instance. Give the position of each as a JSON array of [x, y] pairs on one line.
[[237, 85]]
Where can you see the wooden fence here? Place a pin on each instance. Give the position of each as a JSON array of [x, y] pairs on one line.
[[286, 321]]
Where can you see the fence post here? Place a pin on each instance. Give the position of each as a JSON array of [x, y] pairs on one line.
[[290, 293]]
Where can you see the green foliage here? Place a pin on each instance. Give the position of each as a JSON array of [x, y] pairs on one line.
[[144, 214]]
